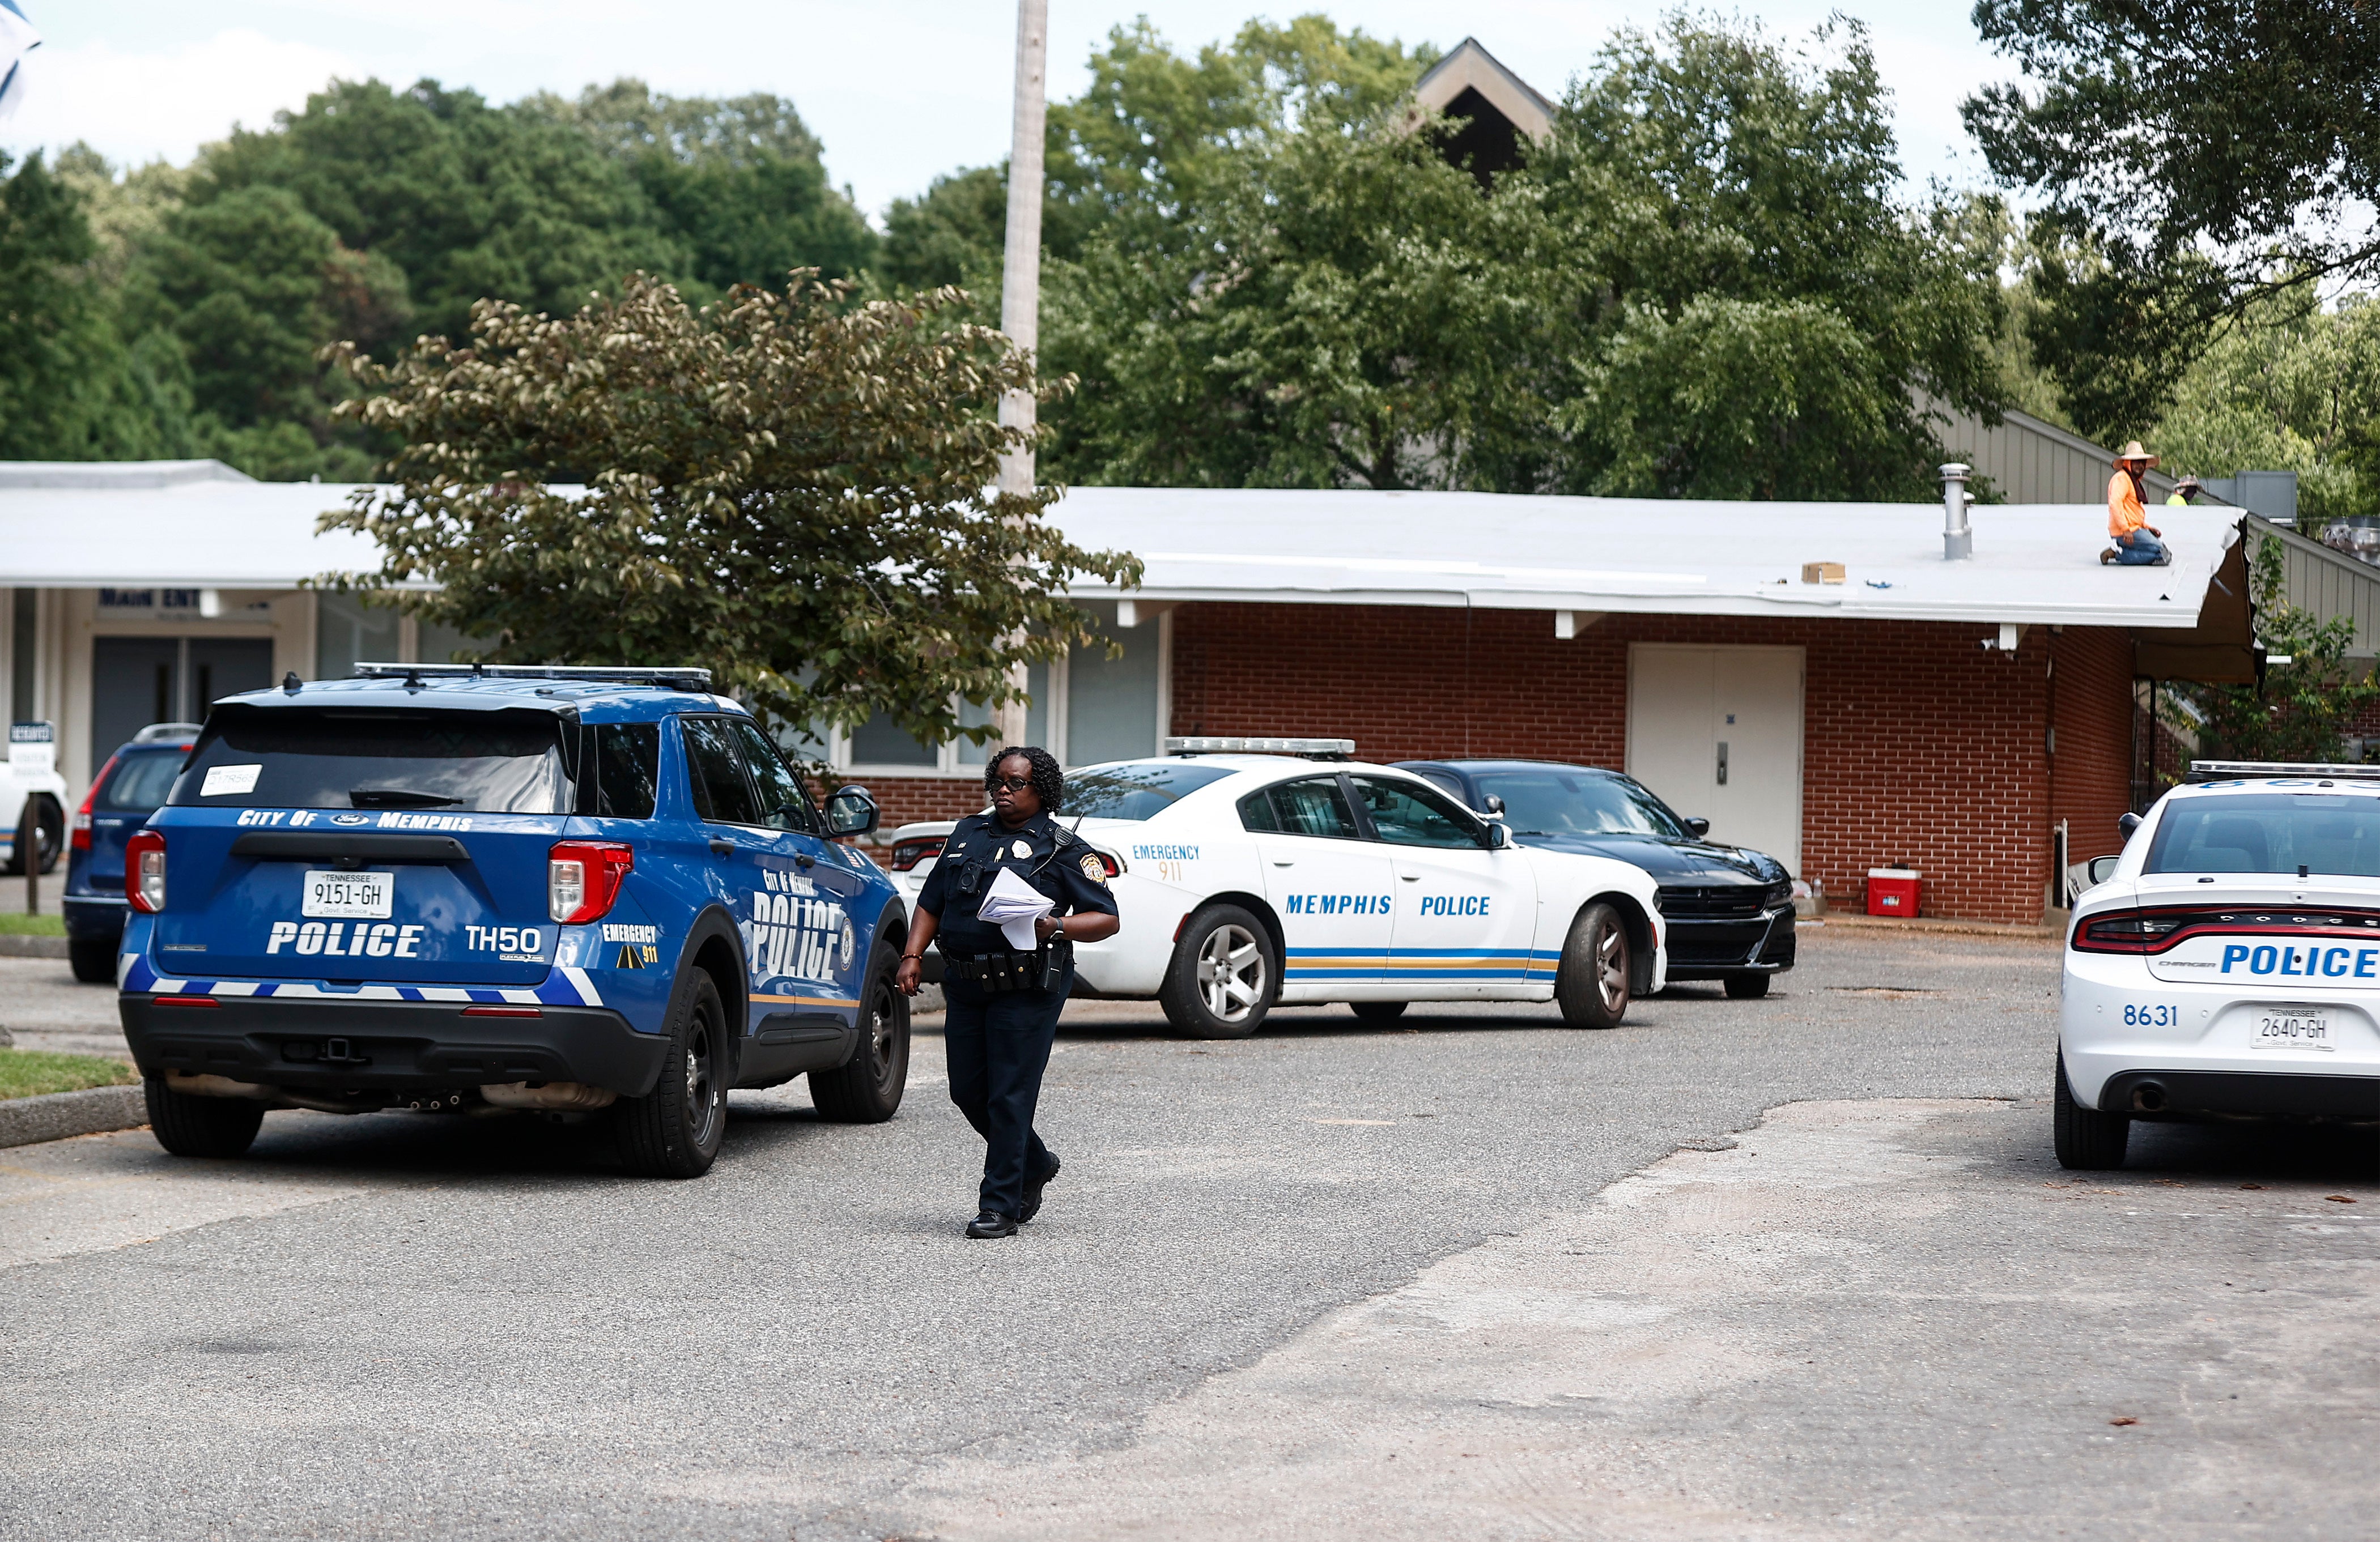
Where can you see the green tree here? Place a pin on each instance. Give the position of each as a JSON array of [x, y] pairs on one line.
[[738, 183], [2197, 156], [69, 388], [2309, 696], [794, 490], [954, 233]]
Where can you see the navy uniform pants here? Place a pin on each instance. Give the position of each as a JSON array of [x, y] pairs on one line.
[[998, 1045]]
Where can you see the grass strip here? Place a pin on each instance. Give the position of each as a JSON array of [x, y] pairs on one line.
[[30, 1073], [16, 923]]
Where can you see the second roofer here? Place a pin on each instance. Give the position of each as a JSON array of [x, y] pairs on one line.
[[1003, 1002]]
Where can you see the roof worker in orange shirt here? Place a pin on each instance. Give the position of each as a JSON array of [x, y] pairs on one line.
[[2138, 543]]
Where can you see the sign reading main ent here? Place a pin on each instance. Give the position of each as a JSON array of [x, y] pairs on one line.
[[162, 602]]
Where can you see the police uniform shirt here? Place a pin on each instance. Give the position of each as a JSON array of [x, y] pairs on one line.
[[1048, 858]]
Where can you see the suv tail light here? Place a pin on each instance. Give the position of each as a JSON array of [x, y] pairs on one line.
[[1108, 865], [582, 878], [82, 815], [144, 871], [908, 854]]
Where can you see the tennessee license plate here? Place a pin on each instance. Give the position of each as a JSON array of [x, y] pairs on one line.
[[2292, 1027], [359, 896]]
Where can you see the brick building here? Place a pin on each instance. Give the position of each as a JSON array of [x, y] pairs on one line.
[[1949, 714]]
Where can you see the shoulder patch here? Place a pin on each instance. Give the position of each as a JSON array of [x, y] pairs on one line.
[[1093, 869]]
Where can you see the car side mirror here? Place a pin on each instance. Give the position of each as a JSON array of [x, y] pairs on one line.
[[1495, 806], [2126, 823], [2104, 867], [1500, 836], [1698, 828], [852, 811]]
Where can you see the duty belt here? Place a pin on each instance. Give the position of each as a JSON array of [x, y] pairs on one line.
[[997, 974]]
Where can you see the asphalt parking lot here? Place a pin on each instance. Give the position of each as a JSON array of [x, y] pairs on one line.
[[1800, 1266]]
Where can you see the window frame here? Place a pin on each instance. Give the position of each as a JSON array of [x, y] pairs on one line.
[[686, 757], [1479, 835]]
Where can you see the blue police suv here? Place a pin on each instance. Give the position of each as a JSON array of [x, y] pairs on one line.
[[594, 891], [125, 793]]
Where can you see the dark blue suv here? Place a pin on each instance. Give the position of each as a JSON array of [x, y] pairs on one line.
[[594, 891], [125, 793]]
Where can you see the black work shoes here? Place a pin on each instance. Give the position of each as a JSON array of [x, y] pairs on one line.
[[991, 1224], [1033, 1188]]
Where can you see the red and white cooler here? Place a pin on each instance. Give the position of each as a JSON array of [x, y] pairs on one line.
[[1892, 891]]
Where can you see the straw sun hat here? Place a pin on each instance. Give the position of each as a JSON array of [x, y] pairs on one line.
[[2134, 451]]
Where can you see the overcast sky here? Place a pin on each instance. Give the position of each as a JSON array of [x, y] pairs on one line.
[[897, 93]]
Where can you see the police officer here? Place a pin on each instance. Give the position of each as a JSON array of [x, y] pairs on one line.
[[1003, 1004]]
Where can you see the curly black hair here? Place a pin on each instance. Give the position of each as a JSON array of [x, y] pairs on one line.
[[1049, 782]]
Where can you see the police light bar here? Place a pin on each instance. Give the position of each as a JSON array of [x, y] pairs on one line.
[[683, 677], [2225, 770], [1312, 749]]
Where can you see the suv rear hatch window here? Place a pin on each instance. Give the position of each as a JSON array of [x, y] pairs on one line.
[[501, 762]]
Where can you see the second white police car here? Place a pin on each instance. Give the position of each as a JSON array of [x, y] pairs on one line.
[[1254, 872], [2227, 963]]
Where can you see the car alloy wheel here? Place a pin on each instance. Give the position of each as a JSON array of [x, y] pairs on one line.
[[1233, 973], [1612, 969], [702, 1094]]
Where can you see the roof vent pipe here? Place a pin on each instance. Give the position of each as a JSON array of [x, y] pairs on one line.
[[1958, 540]]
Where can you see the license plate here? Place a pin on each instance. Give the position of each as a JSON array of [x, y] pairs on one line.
[[361, 897], [2292, 1027]]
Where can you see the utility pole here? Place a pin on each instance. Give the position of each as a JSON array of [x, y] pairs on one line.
[[1020, 283], [1020, 286]]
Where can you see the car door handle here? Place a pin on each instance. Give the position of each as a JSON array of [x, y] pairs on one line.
[[721, 846], [1285, 864], [1410, 878]]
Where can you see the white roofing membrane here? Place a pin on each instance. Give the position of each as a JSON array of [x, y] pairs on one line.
[[2032, 563]]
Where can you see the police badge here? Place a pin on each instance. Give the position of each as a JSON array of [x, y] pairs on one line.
[[1094, 869]]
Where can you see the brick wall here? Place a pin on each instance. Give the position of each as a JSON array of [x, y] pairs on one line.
[[1917, 746]]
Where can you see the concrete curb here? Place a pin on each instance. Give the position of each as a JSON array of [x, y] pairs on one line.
[[56, 1116], [12, 945], [1955, 928]]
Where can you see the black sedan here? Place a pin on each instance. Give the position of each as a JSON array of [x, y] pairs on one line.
[[1730, 911]]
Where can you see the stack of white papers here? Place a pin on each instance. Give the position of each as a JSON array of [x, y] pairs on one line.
[[1012, 906]]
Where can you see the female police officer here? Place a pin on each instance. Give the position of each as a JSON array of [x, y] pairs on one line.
[[1003, 1004]]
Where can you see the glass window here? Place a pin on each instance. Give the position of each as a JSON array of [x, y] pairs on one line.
[[347, 632], [1552, 801], [141, 782], [627, 767], [1408, 814], [1316, 806], [1138, 791], [502, 762], [1111, 703], [1445, 781], [2332, 833], [881, 742], [1256, 812], [715, 773], [783, 801]]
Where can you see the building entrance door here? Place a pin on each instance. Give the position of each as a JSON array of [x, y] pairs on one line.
[[1716, 733], [138, 681]]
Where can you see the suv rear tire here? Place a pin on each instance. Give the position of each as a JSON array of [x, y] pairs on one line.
[[865, 1090], [93, 959], [2086, 1139], [675, 1130], [1222, 981], [191, 1126], [1592, 984]]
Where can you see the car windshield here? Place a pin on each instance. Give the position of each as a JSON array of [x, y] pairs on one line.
[[1141, 791], [507, 761], [141, 782], [1556, 802], [2334, 833]]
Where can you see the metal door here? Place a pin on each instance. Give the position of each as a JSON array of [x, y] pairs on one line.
[[1715, 733]]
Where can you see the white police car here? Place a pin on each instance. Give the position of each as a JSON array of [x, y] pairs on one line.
[[2227, 961], [1251, 871]]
